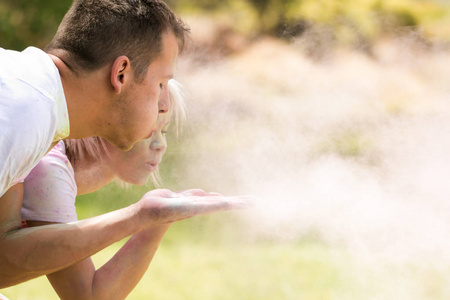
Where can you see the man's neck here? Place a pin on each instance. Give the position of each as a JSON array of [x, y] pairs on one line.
[[84, 96]]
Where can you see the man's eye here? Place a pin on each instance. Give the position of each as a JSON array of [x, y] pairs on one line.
[[161, 86], [163, 131]]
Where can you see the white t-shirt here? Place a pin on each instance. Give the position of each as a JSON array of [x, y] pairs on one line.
[[50, 189], [33, 112]]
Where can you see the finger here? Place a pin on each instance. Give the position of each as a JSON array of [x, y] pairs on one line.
[[207, 205], [192, 192], [251, 200], [196, 192], [214, 194], [165, 193]]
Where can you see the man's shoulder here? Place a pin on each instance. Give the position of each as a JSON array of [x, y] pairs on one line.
[[27, 126], [22, 104], [30, 92], [32, 67], [15, 62], [30, 89]]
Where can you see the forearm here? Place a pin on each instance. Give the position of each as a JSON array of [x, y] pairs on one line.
[[118, 277], [31, 252], [28, 253]]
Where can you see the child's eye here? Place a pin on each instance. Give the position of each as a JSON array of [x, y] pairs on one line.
[[163, 131], [161, 86]]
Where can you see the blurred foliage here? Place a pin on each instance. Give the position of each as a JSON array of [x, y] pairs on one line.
[[346, 22], [365, 20], [235, 271], [349, 143], [33, 22], [30, 22]]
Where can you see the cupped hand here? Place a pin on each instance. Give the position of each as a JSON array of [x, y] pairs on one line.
[[163, 206]]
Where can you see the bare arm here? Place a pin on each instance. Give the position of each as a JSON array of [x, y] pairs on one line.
[[114, 280], [32, 252]]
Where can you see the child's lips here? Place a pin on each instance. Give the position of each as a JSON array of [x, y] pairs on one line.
[[152, 165]]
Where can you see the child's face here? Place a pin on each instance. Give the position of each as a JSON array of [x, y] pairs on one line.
[[136, 165]]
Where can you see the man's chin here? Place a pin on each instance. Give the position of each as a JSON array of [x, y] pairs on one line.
[[122, 144]]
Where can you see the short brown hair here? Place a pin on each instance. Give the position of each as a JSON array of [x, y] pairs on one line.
[[95, 32]]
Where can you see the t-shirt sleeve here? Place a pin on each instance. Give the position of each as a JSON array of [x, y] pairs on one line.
[[50, 190], [27, 127]]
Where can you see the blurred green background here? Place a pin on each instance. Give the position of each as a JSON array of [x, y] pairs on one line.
[[263, 77], [353, 22]]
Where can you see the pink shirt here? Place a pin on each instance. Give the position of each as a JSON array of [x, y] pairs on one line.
[[50, 189]]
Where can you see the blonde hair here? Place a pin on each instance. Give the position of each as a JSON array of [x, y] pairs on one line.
[[94, 149], [177, 100], [178, 114], [91, 148]]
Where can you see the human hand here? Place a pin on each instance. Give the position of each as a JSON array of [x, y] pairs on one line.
[[163, 206]]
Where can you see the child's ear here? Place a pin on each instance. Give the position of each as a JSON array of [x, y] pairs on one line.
[[120, 72]]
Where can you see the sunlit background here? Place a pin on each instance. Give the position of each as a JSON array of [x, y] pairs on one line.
[[335, 113]]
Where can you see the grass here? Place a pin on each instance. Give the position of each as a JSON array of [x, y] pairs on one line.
[[262, 270], [186, 270], [242, 272]]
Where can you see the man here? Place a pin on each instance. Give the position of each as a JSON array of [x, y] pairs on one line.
[[105, 73]]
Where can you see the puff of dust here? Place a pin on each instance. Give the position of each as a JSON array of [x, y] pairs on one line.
[[270, 122]]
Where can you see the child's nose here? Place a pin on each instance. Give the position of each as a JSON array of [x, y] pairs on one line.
[[158, 142]]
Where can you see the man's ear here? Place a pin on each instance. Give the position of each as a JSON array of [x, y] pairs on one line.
[[120, 72]]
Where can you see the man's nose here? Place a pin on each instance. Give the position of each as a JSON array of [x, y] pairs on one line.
[[163, 104]]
